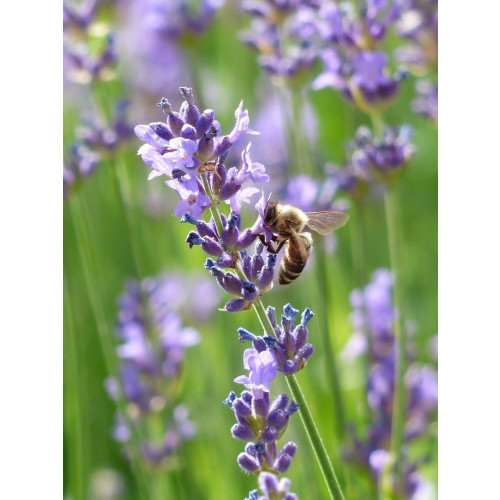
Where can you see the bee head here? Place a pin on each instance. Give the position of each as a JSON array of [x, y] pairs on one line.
[[270, 213]]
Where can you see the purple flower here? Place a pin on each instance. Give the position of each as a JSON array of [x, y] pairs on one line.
[[289, 347], [191, 200], [374, 314], [274, 488], [262, 369], [259, 227], [180, 153], [152, 349], [241, 126]]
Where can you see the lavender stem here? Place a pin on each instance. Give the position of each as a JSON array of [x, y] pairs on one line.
[[394, 237]]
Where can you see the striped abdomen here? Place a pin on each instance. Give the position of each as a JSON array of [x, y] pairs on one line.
[[295, 258]]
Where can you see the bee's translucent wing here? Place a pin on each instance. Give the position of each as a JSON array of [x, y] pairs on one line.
[[327, 221]]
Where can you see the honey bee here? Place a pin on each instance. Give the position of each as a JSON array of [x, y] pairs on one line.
[[288, 222]]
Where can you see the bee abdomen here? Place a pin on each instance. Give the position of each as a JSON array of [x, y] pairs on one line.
[[290, 269], [295, 258]]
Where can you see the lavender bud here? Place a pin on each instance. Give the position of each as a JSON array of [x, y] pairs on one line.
[[188, 132], [266, 275], [292, 408], [291, 366], [290, 448], [280, 355], [246, 264], [249, 290], [271, 313], [301, 333], [245, 335], [187, 217], [189, 111], [204, 230], [277, 419], [225, 260], [282, 463], [218, 178], [230, 399], [204, 122], [290, 311], [259, 345], [230, 234], [257, 265], [193, 238], [232, 284], [223, 147], [248, 463], [247, 397], [288, 343], [270, 434], [286, 323], [205, 148], [261, 406], [242, 410], [304, 354], [161, 130], [236, 305], [211, 246], [280, 402], [242, 432], [306, 316]]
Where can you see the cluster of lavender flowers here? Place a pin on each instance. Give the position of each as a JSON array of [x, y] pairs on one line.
[[419, 25], [262, 422], [373, 162], [83, 65], [283, 33], [373, 312], [152, 349], [189, 149], [95, 142], [352, 61]]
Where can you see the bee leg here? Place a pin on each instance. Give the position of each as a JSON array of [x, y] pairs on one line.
[[269, 246]]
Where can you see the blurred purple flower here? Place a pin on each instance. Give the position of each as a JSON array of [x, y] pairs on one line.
[[373, 312]]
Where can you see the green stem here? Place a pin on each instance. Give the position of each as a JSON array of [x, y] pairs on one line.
[[358, 233], [398, 414], [318, 447], [80, 451], [91, 276], [394, 236]]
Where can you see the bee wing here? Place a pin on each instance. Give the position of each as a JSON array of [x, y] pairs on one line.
[[327, 221]]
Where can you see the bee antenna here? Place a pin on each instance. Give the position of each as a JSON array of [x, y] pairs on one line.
[[269, 198]]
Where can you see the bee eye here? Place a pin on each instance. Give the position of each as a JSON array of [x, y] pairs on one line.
[[270, 215]]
